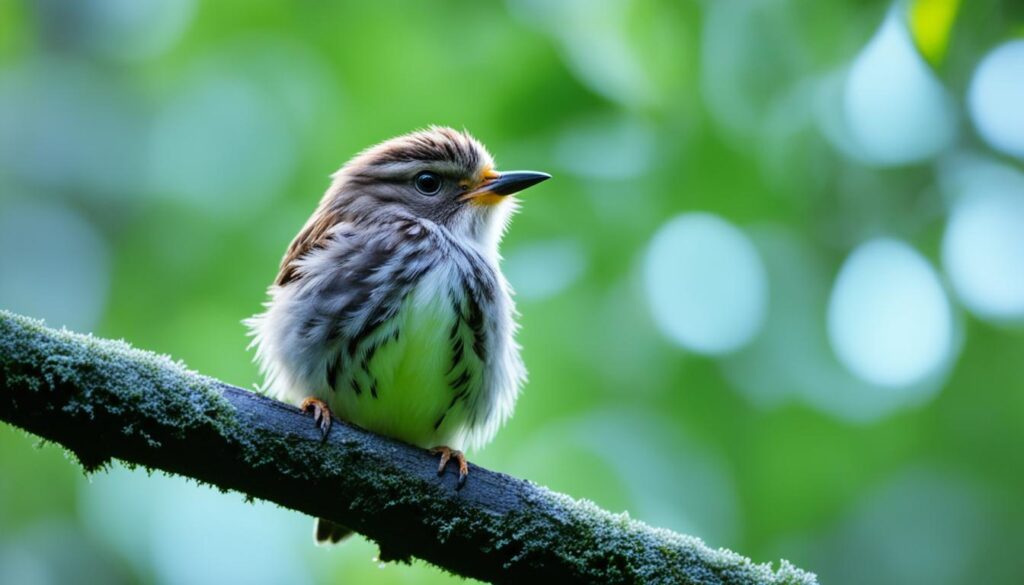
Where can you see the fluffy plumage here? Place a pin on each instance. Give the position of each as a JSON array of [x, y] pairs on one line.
[[390, 305]]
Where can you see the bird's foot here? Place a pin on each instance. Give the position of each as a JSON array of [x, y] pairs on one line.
[[321, 414], [447, 455]]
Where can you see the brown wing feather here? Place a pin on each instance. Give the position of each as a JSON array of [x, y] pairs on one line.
[[312, 236]]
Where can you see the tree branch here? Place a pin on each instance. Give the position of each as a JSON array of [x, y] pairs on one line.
[[105, 400]]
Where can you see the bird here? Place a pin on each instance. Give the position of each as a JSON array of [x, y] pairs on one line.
[[390, 310]]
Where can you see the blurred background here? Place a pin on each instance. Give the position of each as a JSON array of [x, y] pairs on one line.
[[774, 296]]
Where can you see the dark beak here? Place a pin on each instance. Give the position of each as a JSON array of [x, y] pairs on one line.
[[512, 182]]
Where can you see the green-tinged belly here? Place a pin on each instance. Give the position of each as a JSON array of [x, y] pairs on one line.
[[405, 391]]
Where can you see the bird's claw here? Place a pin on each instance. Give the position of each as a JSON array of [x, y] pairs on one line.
[[321, 415], [447, 455]]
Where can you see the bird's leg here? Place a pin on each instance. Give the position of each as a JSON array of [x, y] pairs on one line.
[[446, 455], [321, 414]]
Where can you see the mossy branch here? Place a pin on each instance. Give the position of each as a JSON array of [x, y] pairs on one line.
[[105, 400]]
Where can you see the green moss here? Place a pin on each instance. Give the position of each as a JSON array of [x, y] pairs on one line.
[[606, 547], [111, 375]]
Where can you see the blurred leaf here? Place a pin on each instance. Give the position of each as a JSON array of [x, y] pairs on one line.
[[931, 23]]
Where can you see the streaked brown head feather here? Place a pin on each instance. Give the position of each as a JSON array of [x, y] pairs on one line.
[[436, 144], [393, 159]]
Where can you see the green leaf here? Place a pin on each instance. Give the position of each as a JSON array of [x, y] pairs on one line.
[[931, 22]]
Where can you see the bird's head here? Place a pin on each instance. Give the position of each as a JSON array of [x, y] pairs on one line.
[[438, 174]]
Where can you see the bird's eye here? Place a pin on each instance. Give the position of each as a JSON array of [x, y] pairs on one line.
[[427, 183]]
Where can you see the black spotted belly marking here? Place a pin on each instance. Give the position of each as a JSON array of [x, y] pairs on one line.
[[469, 317]]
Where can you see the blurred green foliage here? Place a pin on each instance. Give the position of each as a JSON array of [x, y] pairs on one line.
[[157, 157]]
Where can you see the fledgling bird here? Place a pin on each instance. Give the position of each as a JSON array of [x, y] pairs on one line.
[[390, 309]]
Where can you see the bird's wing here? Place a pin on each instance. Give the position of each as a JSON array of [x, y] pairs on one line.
[[353, 281], [314, 235]]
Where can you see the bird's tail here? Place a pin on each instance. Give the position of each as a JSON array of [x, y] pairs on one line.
[[327, 532]]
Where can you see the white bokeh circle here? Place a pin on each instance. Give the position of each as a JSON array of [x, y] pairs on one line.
[[983, 250], [995, 98], [896, 109], [889, 320], [705, 283]]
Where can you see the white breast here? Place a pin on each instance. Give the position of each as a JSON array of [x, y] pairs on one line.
[[402, 381]]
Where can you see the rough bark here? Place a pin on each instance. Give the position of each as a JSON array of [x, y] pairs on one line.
[[105, 400]]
